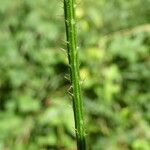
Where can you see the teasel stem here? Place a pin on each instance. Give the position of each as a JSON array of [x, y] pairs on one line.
[[70, 22]]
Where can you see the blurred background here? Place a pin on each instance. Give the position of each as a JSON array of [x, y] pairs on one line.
[[114, 47]]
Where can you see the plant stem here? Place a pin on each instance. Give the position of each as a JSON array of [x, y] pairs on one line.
[[70, 22]]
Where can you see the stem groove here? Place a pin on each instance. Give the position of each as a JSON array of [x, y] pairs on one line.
[[70, 22]]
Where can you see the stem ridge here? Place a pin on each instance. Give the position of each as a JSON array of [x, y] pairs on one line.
[[70, 22]]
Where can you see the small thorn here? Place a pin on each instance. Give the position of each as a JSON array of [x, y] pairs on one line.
[[69, 65], [67, 77], [76, 131], [70, 93], [64, 50], [70, 88]]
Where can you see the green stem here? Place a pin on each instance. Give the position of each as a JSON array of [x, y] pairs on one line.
[[70, 22]]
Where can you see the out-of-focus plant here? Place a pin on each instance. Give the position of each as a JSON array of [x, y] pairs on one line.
[[34, 111]]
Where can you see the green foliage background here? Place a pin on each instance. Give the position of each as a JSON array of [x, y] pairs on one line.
[[114, 47]]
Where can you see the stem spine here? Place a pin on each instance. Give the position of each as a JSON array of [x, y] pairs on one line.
[[70, 22]]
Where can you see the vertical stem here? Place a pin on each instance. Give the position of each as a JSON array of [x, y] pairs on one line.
[[70, 22]]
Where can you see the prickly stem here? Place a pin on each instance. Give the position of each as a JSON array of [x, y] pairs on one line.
[[70, 22]]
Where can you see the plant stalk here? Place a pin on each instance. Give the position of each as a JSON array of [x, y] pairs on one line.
[[70, 22]]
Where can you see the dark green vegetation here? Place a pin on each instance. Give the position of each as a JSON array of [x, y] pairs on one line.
[[73, 58], [114, 45]]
